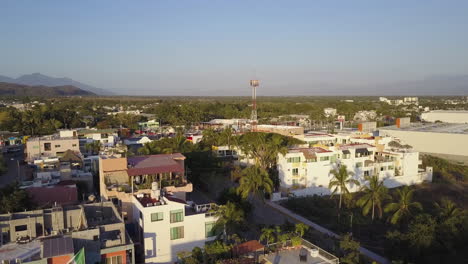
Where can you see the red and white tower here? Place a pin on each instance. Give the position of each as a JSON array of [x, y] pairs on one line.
[[253, 117]]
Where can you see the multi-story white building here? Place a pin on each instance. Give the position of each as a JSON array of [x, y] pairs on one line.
[[168, 225], [307, 171]]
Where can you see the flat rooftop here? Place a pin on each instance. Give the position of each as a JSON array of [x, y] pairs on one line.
[[432, 128], [448, 111]]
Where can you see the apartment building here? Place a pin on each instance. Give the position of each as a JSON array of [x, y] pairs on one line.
[[121, 177], [167, 225], [307, 171], [52, 146], [54, 235]]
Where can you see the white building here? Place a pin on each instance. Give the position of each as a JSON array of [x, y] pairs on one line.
[[410, 100], [441, 139], [137, 140], [328, 112], [107, 137], [446, 116], [167, 225], [306, 171]]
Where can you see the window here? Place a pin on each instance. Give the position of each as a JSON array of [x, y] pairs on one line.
[[358, 164], [366, 173], [177, 216], [390, 167], [177, 232], [57, 146], [295, 171], [47, 147], [295, 182], [21, 228], [114, 260], [311, 160], [382, 168], [157, 217], [294, 160], [73, 145], [324, 158], [209, 229]]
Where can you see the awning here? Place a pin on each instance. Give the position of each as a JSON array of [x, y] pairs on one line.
[[362, 150], [346, 151]]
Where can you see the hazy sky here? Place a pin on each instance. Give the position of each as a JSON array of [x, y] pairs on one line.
[[215, 47]]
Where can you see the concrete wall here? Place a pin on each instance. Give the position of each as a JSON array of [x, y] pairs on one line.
[[447, 117], [35, 148], [430, 142]]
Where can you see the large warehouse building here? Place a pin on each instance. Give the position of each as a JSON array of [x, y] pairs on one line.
[[446, 116], [441, 139]]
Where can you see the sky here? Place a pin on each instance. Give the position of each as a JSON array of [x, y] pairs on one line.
[[214, 47]]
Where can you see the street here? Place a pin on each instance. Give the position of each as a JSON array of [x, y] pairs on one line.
[[14, 162]]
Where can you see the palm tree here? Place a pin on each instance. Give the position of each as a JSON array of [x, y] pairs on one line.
[[267, 235], [341, 178], [227, 136], [447, 210], [228, 215], [300, 229], [403, 207], [374, 194], [256, 181]]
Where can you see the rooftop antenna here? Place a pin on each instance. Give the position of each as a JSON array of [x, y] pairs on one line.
[[253, 117]]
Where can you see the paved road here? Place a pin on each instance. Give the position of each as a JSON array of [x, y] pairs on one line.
[[296, 217], [14, 162]]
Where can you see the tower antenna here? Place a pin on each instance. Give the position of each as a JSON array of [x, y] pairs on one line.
[[253, 117]]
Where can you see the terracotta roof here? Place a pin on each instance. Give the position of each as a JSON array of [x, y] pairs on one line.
[[155, 164], [309, 153], [63, 195], [247, 247]]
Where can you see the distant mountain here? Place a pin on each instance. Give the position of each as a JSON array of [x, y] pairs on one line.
[[14, 89], [6, 79], [37, 79], [434, 85]]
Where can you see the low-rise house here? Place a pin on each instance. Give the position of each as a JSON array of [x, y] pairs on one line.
[[137, 140], [54, 235], [150, 125], [282, 130], [107, 137], [52, 146], [329, 112], [121, 177]]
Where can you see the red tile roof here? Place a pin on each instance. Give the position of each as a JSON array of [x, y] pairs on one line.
[[247, 247], [153, 164], [62, 195]]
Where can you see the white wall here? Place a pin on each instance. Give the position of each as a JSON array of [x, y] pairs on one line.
[[158, 246], [431, 142], [447, 117]]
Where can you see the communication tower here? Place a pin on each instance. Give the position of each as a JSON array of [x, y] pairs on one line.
[[253, 117]]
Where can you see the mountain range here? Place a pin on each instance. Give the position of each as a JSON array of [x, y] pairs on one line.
[[14, 89], [38, 79]]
